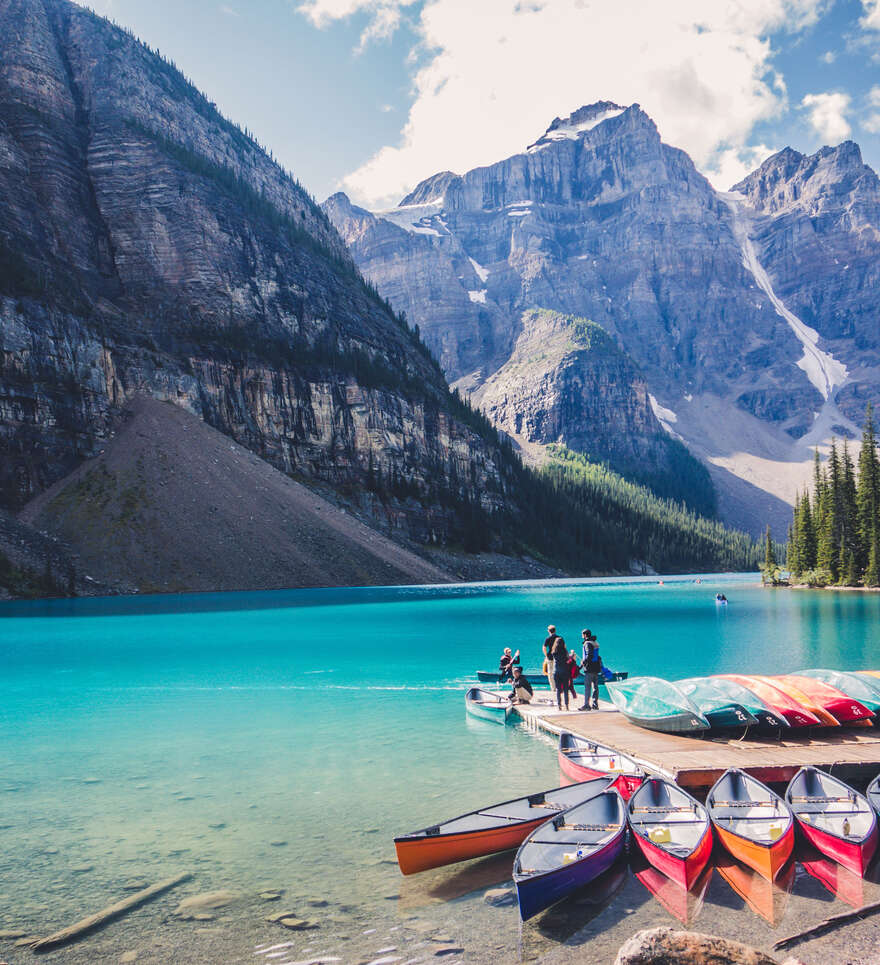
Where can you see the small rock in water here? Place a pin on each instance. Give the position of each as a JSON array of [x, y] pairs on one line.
[[219, 826], [278, 844], [653, 946], [448, 950], [82, 869], [136, 886], [50, 851], [195, 905], [279, 915], [298, 924], [318, 902], [499, 897], [126, 957], [270, 895], [91, 780]]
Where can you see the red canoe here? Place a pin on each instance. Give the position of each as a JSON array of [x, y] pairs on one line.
[[671, 829], [583, 760], [777, 700], [842, 707], [500, 827], [835, 819]]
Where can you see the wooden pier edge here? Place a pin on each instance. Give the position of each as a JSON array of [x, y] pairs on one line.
[[852, 754]]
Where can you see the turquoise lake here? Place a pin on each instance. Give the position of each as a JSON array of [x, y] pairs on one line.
[[275, 743]]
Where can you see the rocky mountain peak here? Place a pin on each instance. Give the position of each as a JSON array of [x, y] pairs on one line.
[[584, 119], [431, 189]]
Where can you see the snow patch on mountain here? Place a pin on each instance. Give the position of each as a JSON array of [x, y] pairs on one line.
[[482, 273], [824, 371], [415, 218]]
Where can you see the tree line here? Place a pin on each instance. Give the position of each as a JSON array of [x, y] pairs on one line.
[[833, 537]]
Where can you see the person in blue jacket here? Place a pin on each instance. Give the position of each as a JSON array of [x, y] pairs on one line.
[[592, 667]]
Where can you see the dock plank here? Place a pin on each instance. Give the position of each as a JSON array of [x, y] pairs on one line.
[[852, 753]]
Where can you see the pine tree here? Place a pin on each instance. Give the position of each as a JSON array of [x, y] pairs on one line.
[[807, 535], [849, 521], [793, 547], [872, 575], [868, 488]]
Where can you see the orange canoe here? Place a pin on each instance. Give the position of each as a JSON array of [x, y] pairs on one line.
[[798, 695], [755, 825], [795, 714], [500, 827], [769, 899]]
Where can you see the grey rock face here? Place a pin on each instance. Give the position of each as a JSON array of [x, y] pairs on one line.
[[148, 246]]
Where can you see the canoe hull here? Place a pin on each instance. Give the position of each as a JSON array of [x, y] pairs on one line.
[[683, 871], [422, 854], [624, 784], [498, 711], [768, 861], [843, 708], [853, 855], [539, 892], [794, 714]]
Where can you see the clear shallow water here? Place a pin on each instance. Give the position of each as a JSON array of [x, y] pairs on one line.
[[279, 740]]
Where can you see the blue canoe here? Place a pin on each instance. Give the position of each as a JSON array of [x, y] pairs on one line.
[[569, 851]]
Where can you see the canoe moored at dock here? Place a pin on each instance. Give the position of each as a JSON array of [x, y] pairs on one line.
[[864, 689], [721, 712], [844, 709], [657, 705], [568, 851], [534, 677], [766, 898], [767, 718], [500, 827], [583, 759], [834, 818], [795, 714], [671, 829], [799, 697], [873, 794], [754, 824], [488, 706]]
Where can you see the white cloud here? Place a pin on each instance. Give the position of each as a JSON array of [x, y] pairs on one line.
[[229, 11], [495, 72], [871, 19], [828, 115], [828, 57], [872, 121], [383, 15], [732, 165]]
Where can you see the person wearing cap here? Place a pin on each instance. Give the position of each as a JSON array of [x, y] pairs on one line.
[[548, 657], [592, 667], [506, 665], [522, 692]]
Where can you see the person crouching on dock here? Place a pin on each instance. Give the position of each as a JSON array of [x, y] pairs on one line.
[[522, 692]]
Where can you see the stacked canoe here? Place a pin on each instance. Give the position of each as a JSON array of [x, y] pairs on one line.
[[767, 704]]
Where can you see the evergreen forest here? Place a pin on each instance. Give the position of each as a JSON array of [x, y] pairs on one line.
[[833, 538]]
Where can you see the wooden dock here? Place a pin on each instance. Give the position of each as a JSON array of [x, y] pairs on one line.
[[853, 754]]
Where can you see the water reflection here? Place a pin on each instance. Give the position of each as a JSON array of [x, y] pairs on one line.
[[681, 904], [769, 899]]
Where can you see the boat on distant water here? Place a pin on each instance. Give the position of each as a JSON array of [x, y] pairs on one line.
[[766, 898], [500, 827], [721, 712], [834, 818], [865, 689], [583, 759], [873, 794], [767, 718], [488, 706], [840, 881], [781, 703], [754, 824], [683, 904], [671, 829], [846, 710], [568, 851], [656, 704]]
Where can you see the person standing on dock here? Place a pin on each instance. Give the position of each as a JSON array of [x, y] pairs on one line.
[[592, 667], [548, 657], [561, 673], [522, 692]]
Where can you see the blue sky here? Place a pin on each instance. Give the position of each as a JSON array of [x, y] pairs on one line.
[[373, 95]]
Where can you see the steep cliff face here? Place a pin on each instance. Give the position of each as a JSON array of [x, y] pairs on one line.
[[149, 246], [817, 230]]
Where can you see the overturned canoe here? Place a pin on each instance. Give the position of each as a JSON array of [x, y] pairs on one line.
[[781, 703], [864, 689], [844, 709], [568, 851], [784, 684], [754, 824], [721, 712], [488, 706], [582, 760], [768, 719], [671, 829], [500, 827], [834, 818], [657, 705]]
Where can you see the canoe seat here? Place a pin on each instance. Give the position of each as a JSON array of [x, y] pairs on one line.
[[587, 827], [663, 808]]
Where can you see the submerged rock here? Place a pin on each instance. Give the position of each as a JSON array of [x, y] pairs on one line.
[[666, 946], [270, 895], [298, 924], [194, 906], [500, 896]]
